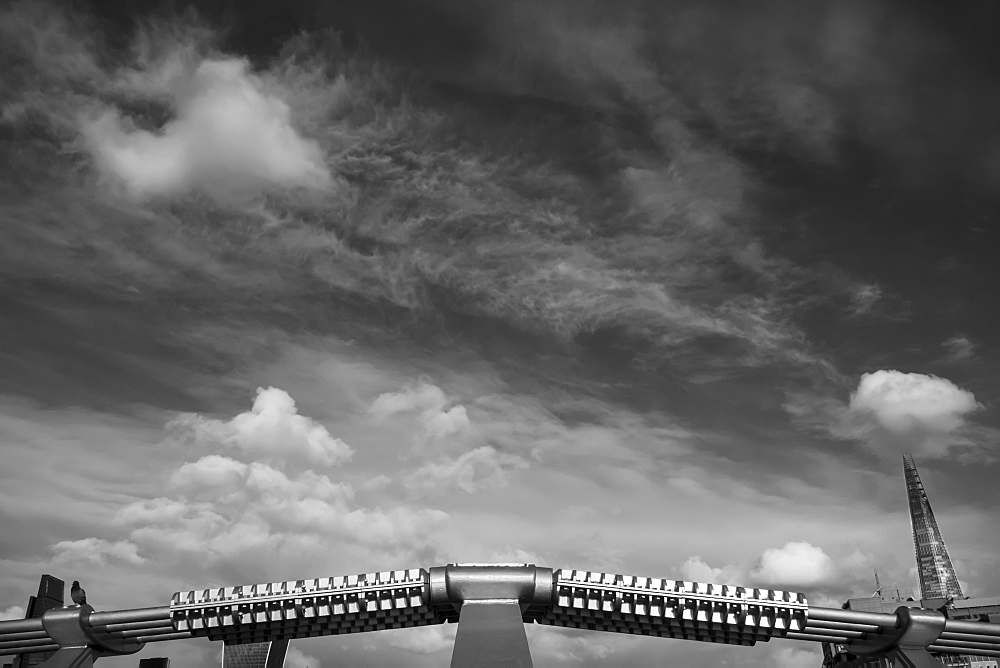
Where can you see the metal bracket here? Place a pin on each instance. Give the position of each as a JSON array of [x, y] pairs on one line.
[[69, 627], [907, 643]]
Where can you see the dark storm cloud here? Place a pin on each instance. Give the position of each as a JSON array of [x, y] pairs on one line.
[[586, 172], [909, 81]]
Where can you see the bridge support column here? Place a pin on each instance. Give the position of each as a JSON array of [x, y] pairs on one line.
[[491, 633], [491, 601]]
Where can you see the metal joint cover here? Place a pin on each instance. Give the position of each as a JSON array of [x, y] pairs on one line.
[[916, 629], [70, 627], [526, 584]]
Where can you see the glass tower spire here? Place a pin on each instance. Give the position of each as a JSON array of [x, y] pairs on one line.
[[934, 568]]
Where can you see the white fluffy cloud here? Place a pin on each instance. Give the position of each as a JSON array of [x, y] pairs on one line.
[[425, 639], [798, 563], [795, 656], [211, 477], [96, 551], [296, 658], [697, 570], [269, 512], [552, 644], [257, 501], [227, 135], [907, 402], [13, 612], [272, 429], [430, 404]]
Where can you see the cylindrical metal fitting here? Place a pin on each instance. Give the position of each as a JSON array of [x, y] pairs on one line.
[[133, 626], [24, 635], [880, 619], [795, 635], [180, 635], [917, 627], [20, 626], [161, 613], [457, 583], [51, 647], [840, 633], [978, 628], [841, 626], [970, 637], [70, 627], [954, 650], [29, 642]]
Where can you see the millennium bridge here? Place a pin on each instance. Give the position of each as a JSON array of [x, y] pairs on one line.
[[491, 603]]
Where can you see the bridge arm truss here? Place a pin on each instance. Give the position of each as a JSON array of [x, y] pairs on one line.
[[487, 595]]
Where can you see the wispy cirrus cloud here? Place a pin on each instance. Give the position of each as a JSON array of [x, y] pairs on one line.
[[959, 349], [533, 279]]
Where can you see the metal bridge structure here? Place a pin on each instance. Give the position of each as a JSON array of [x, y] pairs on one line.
[[491, 603]]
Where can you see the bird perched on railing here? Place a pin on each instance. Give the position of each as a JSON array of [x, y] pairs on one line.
[[78, 594]]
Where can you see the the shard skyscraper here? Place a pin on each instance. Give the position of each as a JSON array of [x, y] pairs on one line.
[[934, 568]]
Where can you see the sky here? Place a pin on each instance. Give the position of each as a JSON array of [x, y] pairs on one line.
[[301, 289]]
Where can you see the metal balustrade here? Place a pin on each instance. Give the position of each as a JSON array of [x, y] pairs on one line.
[[492, 601]]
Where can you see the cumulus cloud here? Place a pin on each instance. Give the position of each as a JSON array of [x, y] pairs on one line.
[[697, 570], [551, 644], [798, 563], [217, 476], [906, 402], [296, 658], [515, 555], [429, 403], [269, 511], [272, 429], [425, 639], [257, 500], [227, 135], [892, 412], [13, 612], [97, 551], [795, 657], [473, 471]]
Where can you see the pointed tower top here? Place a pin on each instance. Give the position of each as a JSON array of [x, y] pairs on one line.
[[934, 568]]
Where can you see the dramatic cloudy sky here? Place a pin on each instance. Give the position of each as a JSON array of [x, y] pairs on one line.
[[660, 288]]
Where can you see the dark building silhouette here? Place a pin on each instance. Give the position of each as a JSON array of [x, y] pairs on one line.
[[255, 655], [50, 595], [157, 662]]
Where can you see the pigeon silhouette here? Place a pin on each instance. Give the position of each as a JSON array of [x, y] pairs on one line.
[[78, 594]]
